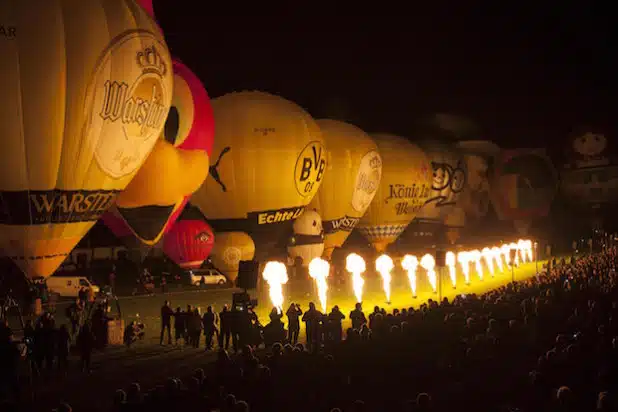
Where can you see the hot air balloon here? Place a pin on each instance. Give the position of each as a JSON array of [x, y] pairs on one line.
[[449, 179], [523, 186], [353, 173], [404, 188], [269, 161], [478, 156], [307, 240], [147, 6], [189, 241], [178, 165], [86, 91], [590, 176], [229, 249]]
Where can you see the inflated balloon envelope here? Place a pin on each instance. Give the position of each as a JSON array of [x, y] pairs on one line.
[[351, 180], [268, 163], [229, 249], [449, 179], [190, 239], [478, 157], [404, 188], [86, 90], [177, 166], [523, 186]]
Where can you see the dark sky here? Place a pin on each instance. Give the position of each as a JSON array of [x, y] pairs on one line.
[[526, 76]]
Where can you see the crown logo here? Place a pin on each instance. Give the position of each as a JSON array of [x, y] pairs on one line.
[[375, 162], [202, 237], [151, 61]]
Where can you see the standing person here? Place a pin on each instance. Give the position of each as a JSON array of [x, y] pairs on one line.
[[358, 317], [85, 344], [166, 322], [235, 321], [74, 312], [163, 284], [63, 345], [112, 279], [225, 325], [179, 325], [293, 313], [335, 330], [195, 327], [312, 326], [187, 318], [82, 295], [210, 327]]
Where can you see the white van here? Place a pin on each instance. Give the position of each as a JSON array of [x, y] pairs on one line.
[[69, 286], [211, 277]]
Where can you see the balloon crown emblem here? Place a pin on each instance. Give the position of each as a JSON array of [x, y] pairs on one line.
[[202, 237], [151, 61], [375, 162]]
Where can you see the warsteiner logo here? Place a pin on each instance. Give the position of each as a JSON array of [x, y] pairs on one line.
[[38, 207], [129, 111], [346, 224], [310, 167], [367, 181]]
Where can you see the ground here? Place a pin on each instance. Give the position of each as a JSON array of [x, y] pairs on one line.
[[151, 364]]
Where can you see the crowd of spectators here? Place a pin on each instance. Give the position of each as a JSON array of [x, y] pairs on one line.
[[545, 344]]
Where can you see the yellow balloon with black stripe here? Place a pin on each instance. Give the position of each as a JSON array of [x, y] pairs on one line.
[[353, 172], [404, 188], [86, 88], [267, 163]]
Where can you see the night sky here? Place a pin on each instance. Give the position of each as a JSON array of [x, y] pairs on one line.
[[525, 76]]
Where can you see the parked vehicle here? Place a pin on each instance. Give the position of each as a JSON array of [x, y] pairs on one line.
[[69, 286], [210, 277]]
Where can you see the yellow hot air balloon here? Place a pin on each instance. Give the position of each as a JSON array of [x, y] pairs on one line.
[[86, 88], [267, 163], [353, 172], [404, 188], [229, 249]]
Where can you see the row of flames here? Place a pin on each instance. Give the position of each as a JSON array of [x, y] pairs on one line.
[[495, 259]]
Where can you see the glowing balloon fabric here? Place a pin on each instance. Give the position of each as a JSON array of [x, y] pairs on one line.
[[86, 91], [449, 179], [229, 249], [268, 163], [174, 170], [404, 187], [147, 6], [353, 173], [189, 241]]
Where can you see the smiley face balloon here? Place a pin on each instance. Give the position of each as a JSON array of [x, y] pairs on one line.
[[178, 165], [86, 89]]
